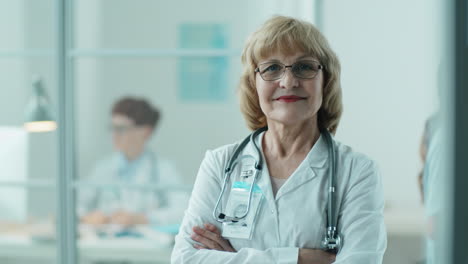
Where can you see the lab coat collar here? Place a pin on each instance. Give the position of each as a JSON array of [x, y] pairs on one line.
[[312, 165], [318, 155], [125, 162]]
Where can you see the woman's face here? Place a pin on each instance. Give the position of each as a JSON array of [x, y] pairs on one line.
[[126, 136], [289, 100]]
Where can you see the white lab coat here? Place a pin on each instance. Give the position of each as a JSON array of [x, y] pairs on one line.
[[434, 184], [160, 207], [296, 217]]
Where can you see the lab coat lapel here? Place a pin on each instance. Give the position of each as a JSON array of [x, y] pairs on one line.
[[263, 180], [313, 165]]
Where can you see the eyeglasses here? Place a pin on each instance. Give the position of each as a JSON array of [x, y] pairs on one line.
[[121, 129], [271, 71]]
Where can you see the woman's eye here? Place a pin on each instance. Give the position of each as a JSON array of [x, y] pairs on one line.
[[274, 67], [305, 67]]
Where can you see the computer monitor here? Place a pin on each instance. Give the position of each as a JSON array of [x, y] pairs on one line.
[[13, 169]]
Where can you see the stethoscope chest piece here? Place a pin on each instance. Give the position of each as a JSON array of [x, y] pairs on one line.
[[331, 241]]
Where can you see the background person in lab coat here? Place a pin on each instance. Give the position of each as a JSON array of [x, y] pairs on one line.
[[133, 123], [295, 103]]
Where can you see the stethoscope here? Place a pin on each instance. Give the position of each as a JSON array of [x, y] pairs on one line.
[[332, 240]]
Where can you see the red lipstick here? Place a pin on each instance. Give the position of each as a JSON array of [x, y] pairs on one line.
[[289, 98]]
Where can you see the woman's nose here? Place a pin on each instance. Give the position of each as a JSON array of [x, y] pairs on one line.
[[289, 80]]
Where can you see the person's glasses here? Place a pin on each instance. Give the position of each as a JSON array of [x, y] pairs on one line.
[[271, 71], [121, 129]]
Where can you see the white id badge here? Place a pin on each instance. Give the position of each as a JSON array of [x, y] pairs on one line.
[[237, 205]]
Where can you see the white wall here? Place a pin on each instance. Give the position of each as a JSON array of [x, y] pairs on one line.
[[12, 89], [389, 54], [13, 95]]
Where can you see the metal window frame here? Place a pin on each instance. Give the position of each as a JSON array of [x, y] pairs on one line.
[[66, 220], [137, 52], [457, 224]]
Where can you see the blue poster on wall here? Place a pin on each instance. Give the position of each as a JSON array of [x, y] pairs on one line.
[[202, 78]]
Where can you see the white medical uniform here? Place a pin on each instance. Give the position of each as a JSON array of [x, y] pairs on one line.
[[296, 217], [147, 169], [434, 183]]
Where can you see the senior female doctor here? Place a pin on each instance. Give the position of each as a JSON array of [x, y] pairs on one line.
[[290, 87]]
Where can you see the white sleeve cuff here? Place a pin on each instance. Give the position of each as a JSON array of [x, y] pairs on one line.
[[287, 255]]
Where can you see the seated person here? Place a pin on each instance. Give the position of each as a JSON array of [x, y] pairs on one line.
[[133, 122]]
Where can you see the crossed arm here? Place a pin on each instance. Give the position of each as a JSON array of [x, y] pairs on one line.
[[209, 237]]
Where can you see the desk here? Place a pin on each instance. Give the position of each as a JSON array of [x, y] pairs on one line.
[[122, 250], [19, 245]]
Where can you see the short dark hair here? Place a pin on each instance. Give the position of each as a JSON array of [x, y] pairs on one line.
[[137, 109]]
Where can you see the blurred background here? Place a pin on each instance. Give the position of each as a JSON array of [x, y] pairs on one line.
[[184, 58]]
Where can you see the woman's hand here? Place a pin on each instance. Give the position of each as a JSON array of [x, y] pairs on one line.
[[315, 256], [210, 238]]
